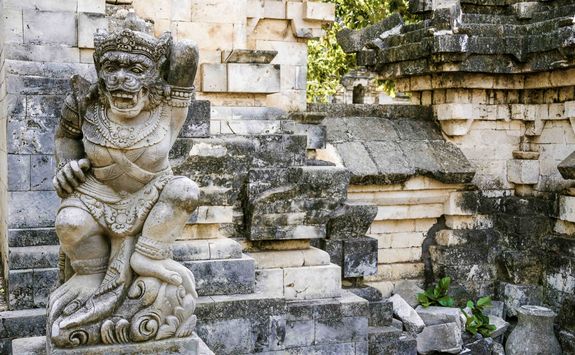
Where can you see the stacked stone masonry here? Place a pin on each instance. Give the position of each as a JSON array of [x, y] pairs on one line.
[[462, 182], [263, 40], [498, 77]]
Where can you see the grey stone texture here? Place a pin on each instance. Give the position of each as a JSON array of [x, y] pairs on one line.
[[472, 42], [32, 209], [29, 288], [32, 237], [19, 324], [236, 325], [197, 124], [382, 150], [516, 296], [445, 338], [192, 345], [350, 221], [42, 168], [293, 203], [408, 290], [223, 276], [403, 311], [433, 315], [391, 341], [359, 257]]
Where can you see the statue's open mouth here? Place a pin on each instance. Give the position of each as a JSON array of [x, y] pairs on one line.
[[124, 100]]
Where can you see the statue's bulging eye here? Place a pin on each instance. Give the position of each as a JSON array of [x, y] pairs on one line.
[[137, 69]]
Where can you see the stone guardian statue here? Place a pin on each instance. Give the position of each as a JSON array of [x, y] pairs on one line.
[[122, 207]]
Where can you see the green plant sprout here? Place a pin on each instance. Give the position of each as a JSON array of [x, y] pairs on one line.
[[477, 322], [437, 296]]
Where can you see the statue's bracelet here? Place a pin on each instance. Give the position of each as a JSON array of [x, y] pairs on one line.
[[180, 96]]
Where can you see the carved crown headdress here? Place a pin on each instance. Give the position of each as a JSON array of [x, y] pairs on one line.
[[134, 42]]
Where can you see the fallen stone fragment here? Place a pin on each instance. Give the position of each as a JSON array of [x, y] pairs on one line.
[[481, 346], [408, 291], [497, 309], [440, 315], [500, 326], [444, 338], [404, 312]]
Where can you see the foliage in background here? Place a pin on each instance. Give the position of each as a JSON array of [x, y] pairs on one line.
[[437, 296], [477, 322], [327, 62]]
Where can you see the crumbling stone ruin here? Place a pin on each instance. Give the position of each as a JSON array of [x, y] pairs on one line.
[[318, 224]]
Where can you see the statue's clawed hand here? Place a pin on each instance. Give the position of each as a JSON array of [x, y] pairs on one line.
[[70, 176], [167, 270]]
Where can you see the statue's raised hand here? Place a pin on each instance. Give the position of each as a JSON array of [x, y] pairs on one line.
[[70, 176]]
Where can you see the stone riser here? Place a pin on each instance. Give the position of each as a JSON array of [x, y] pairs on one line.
[[248, 325], [224, 276], [29, 288]]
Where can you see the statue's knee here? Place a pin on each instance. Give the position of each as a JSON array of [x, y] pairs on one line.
[[71, 225], [182, 192]]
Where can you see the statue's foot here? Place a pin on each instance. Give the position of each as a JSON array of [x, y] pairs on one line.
[[167, 270], [72, 295]]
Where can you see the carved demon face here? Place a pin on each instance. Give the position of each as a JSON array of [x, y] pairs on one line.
[[126, 79]]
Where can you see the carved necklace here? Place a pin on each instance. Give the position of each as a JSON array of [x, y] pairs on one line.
[[126, 136]]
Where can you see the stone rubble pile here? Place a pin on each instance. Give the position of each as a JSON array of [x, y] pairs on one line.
[[442, 329]]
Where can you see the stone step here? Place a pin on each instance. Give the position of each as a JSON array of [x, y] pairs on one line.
[[255, 323], [34, 257], [300, 283], [37, 346], [206, 249], [390, 340], [29, 288], [29, 237], [223, 276], [46, 256], [290, 258], [20, 324]]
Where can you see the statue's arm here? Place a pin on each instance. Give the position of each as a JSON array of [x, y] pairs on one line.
[[183, 64], [69, 150]]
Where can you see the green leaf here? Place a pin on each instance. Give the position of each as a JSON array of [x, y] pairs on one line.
[[446, 301], [470, 305], [484, 301], [444, 283]]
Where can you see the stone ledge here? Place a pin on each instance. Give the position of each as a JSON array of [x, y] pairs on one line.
[[192, 346]]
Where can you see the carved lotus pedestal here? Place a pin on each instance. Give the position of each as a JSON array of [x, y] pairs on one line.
[[192, 345], [152, 311]]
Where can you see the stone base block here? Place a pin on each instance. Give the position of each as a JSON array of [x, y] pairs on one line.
[[390, 340], [206, 249], [191, 346], [312, 282], [223, 276]]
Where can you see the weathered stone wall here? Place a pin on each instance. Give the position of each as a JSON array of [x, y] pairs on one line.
[[499, 78], [45, 43], [3, 155], [253, 55], [489, 117]]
